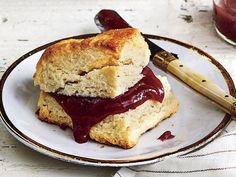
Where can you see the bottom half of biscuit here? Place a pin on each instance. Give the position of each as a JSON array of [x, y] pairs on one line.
[[122, 129]]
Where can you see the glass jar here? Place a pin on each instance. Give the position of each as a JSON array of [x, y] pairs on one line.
[[225, 19]]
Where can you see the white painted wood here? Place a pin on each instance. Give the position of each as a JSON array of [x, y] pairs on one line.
[[27, 24]]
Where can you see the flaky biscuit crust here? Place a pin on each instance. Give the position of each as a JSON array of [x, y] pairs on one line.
[[70, 64]]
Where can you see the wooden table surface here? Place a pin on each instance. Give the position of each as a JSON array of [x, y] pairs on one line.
[[25, 25]]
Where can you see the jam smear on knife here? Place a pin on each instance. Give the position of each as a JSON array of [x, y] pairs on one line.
[[85, 112]]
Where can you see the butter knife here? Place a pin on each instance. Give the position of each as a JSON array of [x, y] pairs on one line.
[[109, 19]]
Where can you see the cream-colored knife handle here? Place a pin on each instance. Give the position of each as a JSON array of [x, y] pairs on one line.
[[196, 81]]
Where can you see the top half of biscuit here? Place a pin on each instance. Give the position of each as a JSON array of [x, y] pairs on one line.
[[102, 66]]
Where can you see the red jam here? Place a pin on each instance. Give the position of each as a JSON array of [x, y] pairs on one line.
[[225, 18], [85, 112], [166, 135]]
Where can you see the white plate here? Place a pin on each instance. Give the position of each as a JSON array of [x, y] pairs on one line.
[[197, 121]]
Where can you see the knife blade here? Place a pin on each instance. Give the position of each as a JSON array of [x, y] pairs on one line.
[[109, 19]]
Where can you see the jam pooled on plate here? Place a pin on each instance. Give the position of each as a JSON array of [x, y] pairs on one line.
[[166, 135]]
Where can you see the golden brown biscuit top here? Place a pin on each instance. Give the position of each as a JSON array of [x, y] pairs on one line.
[[110, 42], [68, 62]]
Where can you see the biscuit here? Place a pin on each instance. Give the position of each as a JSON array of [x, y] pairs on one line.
[[102, 66]]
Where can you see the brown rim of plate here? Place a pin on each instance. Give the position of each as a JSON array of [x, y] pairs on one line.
[[84, 160]]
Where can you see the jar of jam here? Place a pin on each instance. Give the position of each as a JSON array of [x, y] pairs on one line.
[[225, 19]]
